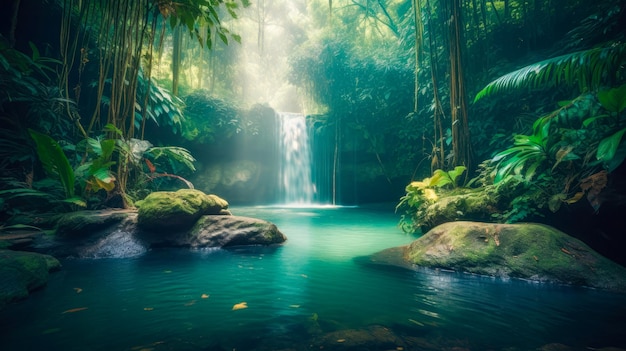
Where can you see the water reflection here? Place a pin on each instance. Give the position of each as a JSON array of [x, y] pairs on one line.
[[300, 293]]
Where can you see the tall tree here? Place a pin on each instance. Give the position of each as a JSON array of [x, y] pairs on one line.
[[461, 146], [419, 29], [124, 33]]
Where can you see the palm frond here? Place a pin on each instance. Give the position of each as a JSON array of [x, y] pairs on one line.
[[588, 68]]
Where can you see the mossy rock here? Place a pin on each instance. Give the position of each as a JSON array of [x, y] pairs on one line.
[[461, 204], [167, 210], [22, 272], [226, 231], [82, 223], [529, 251]]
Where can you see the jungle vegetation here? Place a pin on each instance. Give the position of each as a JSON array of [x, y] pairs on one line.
[[520, 100]]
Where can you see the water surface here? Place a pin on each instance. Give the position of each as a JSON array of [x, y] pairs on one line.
[[177, 299]]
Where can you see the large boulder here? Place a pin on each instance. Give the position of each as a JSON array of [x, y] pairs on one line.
[[218, 231], [167, 210], [22, 272], [528, 251], [118, 234], [224, 231]]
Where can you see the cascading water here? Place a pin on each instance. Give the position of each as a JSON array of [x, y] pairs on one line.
[[296, 186]]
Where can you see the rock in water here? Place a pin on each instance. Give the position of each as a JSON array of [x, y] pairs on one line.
[[22, 272], [529, 251], [167, 210], [224, 231]]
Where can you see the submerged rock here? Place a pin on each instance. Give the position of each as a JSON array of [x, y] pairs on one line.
[[528, 251], [373, 337], [22, 272], [167, 210]]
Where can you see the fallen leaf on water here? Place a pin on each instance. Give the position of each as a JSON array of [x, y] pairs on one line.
[[78, 290], [399, 348], [146, 347], [148, 308], [341, 340], [205, 296], [294, 306], [416, 322], [168, 271], [192, 302], [75, 310], [240, 306]]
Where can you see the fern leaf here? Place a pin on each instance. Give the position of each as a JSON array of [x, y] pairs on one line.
[[588, 68]]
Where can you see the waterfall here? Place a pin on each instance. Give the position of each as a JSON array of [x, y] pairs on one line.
[[296, 186]]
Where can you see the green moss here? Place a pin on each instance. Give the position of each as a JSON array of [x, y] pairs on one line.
[[23, 272], [531, 251], [181, 209], [85, 222]]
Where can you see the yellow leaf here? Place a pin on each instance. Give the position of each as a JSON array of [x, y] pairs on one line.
[[108, 186], [78, 290], [419, 185], [148, 308], [205, 296], [575, 198], [75, 310], [240, 306], [430, 194]]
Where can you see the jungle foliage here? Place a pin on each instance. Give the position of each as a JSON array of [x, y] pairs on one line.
[[399, 89], [74, 122]]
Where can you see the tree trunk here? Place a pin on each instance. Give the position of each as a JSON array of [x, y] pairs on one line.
[[461, 146], [176, 56], [418, 44]]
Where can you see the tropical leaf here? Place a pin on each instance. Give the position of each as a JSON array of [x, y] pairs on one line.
[[74, 200], [528, 152], [456, 172], [24, 192], [54, 161], [174, 153], [608, 150], [589, 68], [614, 99]]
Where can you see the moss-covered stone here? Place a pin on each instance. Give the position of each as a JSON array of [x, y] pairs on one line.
[[22, 272], [82, 223], [166, 210], [459, 204], [529, 251], [225, 231]]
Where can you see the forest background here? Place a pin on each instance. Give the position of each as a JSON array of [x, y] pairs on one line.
[[519, 104]]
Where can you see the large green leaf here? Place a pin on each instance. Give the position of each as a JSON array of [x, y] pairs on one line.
[[607, 150], [614, 99], [174, 153], [54, 161], [587, 68]]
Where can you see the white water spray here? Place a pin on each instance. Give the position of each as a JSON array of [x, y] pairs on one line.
[[296, 184]]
